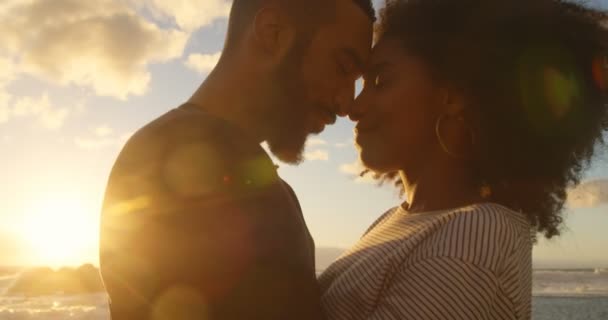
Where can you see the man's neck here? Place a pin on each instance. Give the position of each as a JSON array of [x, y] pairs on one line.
[[232, 98]]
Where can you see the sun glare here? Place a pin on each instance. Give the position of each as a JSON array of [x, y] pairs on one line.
[[60, 230]]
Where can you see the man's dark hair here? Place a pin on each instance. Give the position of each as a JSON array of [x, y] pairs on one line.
[[368, 7], [534, 74], [309, 14]]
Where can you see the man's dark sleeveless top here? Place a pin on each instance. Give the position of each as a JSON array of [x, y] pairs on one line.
[[197, 224]]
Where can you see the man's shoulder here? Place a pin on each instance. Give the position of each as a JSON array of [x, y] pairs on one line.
[[192, 150], [185, 124], [187, 128]]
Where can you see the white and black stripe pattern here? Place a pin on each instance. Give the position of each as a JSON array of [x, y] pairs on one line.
[[469, 263]]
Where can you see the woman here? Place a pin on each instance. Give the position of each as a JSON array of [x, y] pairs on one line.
[[487, 112]]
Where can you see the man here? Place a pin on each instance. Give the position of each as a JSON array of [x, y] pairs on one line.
[[196, 222]]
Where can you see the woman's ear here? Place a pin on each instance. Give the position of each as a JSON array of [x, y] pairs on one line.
[[453, 102], [274, 32], [454, 133]]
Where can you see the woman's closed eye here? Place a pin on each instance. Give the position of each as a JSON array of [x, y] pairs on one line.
[[377, 74], [374, 81], [378, 81]]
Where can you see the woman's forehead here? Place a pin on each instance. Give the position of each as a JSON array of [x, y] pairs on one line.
[[386, 51], [385, 47]]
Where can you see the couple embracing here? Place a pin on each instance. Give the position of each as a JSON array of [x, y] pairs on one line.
[[483, 112]]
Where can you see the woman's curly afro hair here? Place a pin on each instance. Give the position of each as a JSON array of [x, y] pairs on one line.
[[534, 75]]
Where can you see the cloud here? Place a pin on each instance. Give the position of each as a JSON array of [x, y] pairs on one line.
[[41, 109], [590, 194], [317, 155], [7, 71], [315, 142], [314, 150], [344, 144], [5, 111], [187, 14], [103, 131], [104, 45], [354, 170], [309, 155], [104, 138], [203, 63], [94, 143]]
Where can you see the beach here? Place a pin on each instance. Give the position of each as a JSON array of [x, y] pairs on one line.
[[559, 294]]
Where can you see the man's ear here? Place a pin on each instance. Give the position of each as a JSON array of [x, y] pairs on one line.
[[273, 31]]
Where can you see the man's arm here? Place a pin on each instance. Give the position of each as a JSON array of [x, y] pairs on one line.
[[221, 232]]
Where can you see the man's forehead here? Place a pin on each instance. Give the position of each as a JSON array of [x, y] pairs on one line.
[[353, 29]]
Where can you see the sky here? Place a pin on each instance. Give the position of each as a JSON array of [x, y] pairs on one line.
[[77, 78]]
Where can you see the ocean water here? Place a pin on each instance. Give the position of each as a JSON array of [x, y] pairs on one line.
[[574, 294], [558, 295]]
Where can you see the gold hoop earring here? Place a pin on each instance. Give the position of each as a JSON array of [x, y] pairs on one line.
[[443, 144]]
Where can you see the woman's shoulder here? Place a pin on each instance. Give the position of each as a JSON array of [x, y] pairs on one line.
[[483, 234], [380, 220], [490, 216]]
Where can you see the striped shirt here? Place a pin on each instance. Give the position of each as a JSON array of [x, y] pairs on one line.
[[473, 262]]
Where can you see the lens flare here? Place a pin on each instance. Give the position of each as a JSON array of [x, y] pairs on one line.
[[551, 87]]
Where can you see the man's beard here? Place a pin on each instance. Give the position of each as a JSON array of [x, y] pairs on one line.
[[288, 123]]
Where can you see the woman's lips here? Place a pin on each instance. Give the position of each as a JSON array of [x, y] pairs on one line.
[[365, 127], [362, 133]]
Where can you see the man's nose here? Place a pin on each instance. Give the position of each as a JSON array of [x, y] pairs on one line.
[[344, 99], [360, 106]]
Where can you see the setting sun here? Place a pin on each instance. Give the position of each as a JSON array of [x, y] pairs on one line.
[[60, 229]]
